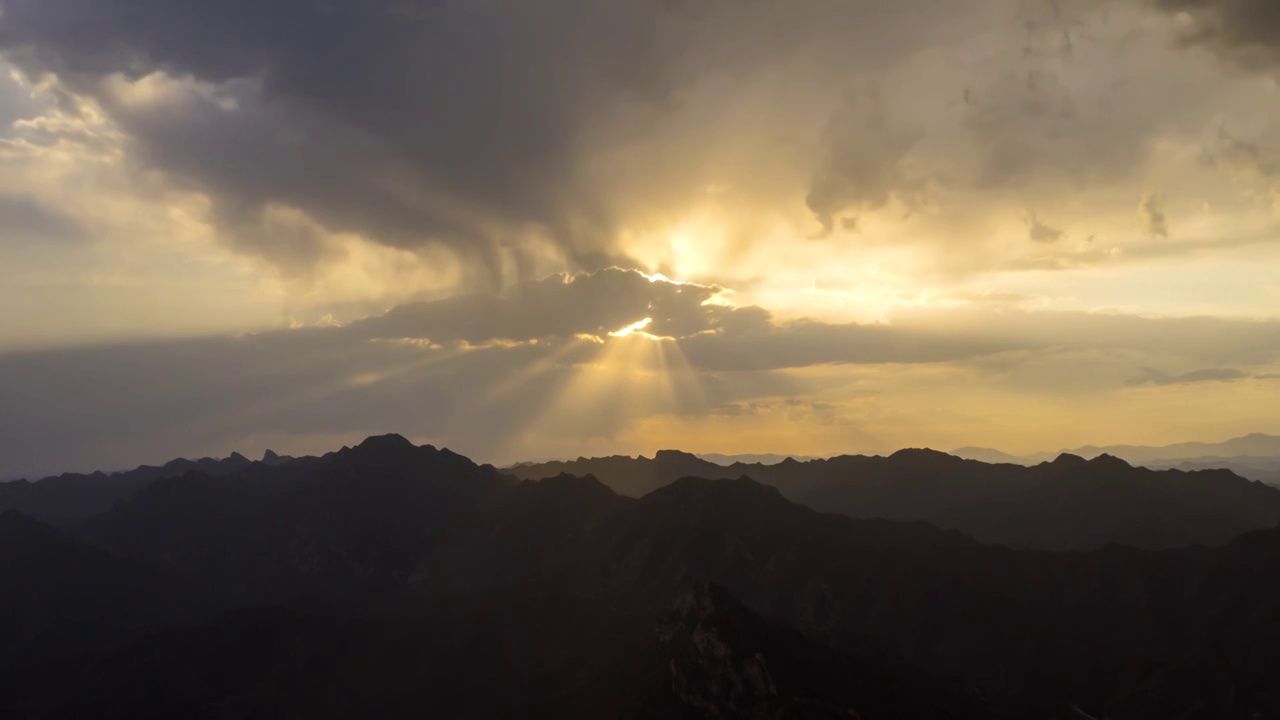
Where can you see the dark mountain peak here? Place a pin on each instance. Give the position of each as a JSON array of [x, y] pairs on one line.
[[270, 458], [924, 456], [1067, 460], [239, 459], [385, 443], [565, 482], [673, 456], [1110, 462]]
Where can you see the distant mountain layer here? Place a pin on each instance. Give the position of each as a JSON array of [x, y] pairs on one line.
[[763, 459], [411, 580], [70, 498], [1255, 445], [1256, 457], [1070, 503]]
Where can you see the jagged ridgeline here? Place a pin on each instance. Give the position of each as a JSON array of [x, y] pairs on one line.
[[1066, 503], [409, 581]]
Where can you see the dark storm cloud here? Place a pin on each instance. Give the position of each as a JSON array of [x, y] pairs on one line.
[[713, 337], [1248, 30], [471, 122], [404, 120], [594, 304]]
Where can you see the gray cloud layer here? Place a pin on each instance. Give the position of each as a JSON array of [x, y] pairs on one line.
[[464, 370], [25, 221], [430, 369], [1151, 376]]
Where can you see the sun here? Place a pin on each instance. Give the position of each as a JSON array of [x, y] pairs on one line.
[[635, 327]]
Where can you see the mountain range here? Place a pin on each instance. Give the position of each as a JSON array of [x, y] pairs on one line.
[[404, 580], [1069, 503], [1255, 456]]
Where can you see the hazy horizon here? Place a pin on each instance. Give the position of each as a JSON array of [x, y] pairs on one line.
[[772, 457]]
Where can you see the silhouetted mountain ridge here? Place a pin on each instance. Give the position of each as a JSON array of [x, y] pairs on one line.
[[405, 565], [331, 528], [70, 498], [1255, 456], [1069, 502]]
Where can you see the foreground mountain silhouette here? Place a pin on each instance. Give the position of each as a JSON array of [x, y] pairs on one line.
[[705, 655], [57, 594], [405, 580], [1064, 504]]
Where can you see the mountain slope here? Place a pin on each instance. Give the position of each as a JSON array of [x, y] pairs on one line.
[[1114, 628], [483, 655], [57, 595]]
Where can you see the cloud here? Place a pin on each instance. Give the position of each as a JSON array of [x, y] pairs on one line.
[[1151, 212], [498, 374], [864, 164], [477, 372], [1041, 232], [561, 305], [570, 135], [1208, 340], [1155, 377], [1243, 155], [1248, 31], [495, 129], [22, 220]]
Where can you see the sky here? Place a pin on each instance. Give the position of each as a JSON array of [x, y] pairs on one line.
[[536, 230]]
